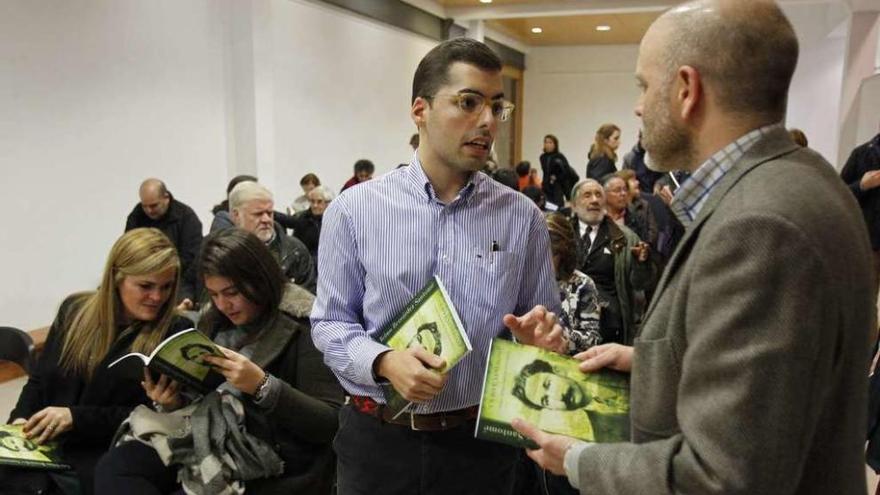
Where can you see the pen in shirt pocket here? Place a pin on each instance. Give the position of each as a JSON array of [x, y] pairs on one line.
[[492, 250]]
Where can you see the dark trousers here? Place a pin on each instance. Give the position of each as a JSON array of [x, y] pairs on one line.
[[134, 469], [380, 458]]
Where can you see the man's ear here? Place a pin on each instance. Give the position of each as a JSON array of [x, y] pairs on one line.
[[233, 215], [688, 92], [419, 110]]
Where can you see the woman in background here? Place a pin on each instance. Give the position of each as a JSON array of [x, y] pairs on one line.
[[71, 395], [558, 176], [603, 153]]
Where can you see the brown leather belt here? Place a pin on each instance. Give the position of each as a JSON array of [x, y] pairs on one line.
[[441, 421]]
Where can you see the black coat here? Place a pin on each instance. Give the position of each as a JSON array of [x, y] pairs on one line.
[[304, 421], [98, 406], [181, 224], [558, 178], [296, 262], [307, 228], [599, 167], [863, 159]]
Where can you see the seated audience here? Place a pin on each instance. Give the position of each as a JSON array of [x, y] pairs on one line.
[[642, 208], [577, 291], [603, 153], [363, 171], [615, 258], [506, 176], [159, 209], [222, 220], [278, 405], [251, 208], [307, 183], [71, 396], [307, 223], [525, 175]]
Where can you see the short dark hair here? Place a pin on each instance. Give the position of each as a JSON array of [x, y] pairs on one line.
[[310, 178], [247, 262], [507, 177], [523, 168], [519, 384], [535, 194], [433, 70], [414, 140], [364, 165]]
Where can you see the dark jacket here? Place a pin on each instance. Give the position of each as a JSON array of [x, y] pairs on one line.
[[558, 178], [629, 275], [97, 406], [307, 228], [304, 421], [863, 159], [635, 160], [599, 167], [296, 262], [181, 224]]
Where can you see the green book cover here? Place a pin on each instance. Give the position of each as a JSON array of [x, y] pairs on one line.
[[431, 321], [178, 357], [548, 390], [17, 450]]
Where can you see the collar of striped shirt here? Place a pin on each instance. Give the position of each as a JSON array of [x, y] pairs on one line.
[[692, 195], [416, 174]]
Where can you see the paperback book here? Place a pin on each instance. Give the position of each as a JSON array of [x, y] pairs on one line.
[[429, 320], [17, 450], [548, 390], [179, 357]]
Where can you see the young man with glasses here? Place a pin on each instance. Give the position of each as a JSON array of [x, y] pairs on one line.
[[488, 244]]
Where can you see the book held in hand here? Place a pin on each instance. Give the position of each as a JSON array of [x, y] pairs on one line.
[[17, 450], [548, 390], [429, 320], [180, 358]]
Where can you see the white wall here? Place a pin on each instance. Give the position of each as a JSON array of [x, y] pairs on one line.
[[814, 98], [571, 91], [342, 92], [95, 97]]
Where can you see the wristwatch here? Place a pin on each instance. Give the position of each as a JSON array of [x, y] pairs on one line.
[[262, 387]]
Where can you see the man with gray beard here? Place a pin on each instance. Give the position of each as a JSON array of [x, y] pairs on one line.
[[750, 373]]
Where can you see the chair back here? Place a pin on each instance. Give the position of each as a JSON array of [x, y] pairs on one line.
[[16, 346]]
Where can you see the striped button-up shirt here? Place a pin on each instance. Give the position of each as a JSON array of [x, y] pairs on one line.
[[692, 195], [384, 239]]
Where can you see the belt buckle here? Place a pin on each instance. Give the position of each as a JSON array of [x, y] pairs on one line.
[[412, 422]]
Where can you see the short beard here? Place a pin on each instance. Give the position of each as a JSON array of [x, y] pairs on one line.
[[668, 144]]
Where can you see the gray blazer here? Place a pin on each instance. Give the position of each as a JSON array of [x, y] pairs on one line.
[[750, 374]]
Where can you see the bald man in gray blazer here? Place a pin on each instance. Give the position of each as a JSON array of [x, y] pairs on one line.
[[750, 373]]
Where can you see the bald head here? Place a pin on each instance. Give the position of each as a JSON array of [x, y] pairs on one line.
[[744, 50], [155, 198]]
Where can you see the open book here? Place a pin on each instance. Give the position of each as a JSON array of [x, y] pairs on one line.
[[431, 321], [548, 390], [179, 357], [17, 450]]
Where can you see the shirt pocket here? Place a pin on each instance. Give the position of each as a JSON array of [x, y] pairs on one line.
[[495, 276], [654, 384]]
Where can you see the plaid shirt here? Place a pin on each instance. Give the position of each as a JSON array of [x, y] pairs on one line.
[[693, 193]]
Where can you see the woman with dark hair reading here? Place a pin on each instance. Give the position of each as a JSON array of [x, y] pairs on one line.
[[277, 387]]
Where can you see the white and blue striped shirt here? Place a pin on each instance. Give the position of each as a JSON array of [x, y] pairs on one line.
[[384, 239]]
